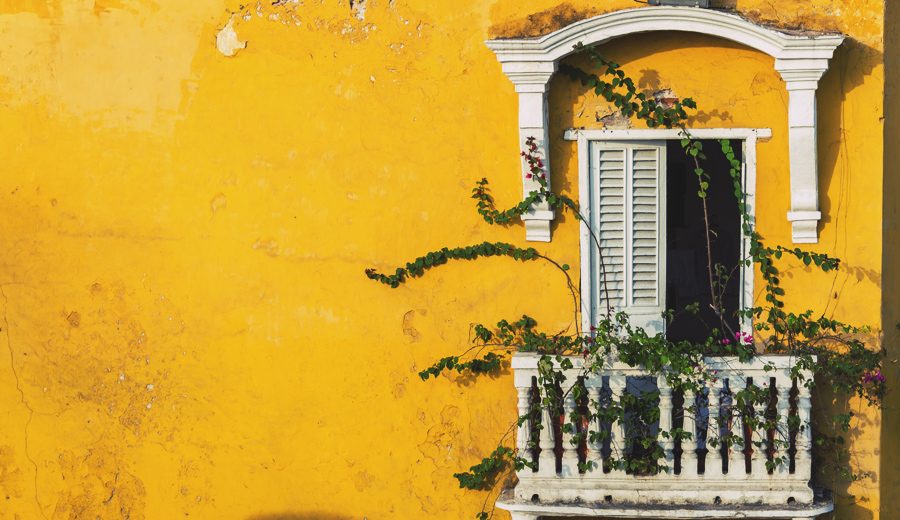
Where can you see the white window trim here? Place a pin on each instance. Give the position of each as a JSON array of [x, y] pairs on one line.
[[748, 136], [800, 58]]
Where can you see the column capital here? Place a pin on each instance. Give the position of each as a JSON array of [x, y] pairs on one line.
[[801, 73], [529, 76]]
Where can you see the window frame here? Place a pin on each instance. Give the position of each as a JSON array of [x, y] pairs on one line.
[[749, 138]]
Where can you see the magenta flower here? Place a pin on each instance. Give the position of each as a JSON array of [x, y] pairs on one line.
[[743, 338], [874, 376]]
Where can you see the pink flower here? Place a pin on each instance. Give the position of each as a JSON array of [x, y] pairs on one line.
[[871, 377], [527, 175], [744, 338]]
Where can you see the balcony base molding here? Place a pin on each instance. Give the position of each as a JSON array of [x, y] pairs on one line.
[[528, 510], [668, 489]]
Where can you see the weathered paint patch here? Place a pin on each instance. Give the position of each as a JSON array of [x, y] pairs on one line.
[[227, 40], [359, 9], [544, 22]]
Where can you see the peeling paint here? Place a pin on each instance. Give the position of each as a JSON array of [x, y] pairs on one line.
[[359, 9], [227, 41], [269, 246], [544, 22], [408, 329], [218, 203]]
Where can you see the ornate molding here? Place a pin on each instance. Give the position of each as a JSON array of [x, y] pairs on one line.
[[800, 57]]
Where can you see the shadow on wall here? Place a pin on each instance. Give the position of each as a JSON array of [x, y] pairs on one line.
[[853, 61], [310, 515], [847, 505], [890, 308]]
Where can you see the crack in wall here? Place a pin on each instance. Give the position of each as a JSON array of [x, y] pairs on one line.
[[12, 366]]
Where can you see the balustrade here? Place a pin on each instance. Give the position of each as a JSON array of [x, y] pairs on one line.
[[710, 472]]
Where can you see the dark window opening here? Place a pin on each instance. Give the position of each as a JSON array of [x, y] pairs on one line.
[[687, 278]]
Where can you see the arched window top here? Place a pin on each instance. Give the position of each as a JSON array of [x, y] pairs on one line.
[[800, 57], [776, 43]]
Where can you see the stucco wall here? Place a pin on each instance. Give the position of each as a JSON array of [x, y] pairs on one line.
[[187, 327]]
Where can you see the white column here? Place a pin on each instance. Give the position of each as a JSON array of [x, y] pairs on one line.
[[802, 79], [570, 451], [531, 80], [713, 455], [665, 421]]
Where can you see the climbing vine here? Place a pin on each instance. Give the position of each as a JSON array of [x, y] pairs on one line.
[[835, 352]]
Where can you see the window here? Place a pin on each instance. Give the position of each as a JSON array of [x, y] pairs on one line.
[[644, 211]]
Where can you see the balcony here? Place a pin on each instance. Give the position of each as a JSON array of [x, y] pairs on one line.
[[701, 479]]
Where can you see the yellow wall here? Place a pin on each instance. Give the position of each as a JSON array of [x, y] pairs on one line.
[[187, 327]]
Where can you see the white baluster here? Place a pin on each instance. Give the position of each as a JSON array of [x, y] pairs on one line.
[[617, 441], [547, 456], [689, 446], [736, 466], [593, 453], [570, 451], [665, 421], [782, 434], [523, 435], [804, 436], [713, 467], [760, 438]]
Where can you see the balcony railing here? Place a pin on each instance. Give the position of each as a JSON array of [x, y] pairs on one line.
[[699, 473]]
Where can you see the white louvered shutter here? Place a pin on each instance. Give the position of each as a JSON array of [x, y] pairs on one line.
[[627, 189]]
